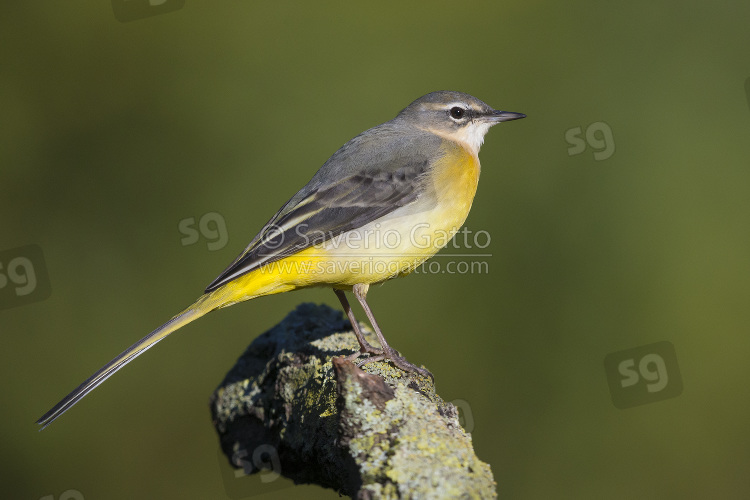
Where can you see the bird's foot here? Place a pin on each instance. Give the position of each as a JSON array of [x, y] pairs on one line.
[[365, 348], [396, 358]]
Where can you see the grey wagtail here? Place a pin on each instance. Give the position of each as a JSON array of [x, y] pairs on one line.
[[384, 203]]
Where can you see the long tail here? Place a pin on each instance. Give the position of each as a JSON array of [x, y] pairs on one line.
[[201, 307]]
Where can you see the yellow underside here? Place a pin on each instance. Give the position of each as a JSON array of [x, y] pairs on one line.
[[389, 247]]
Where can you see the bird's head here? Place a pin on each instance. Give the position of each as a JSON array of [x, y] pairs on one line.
[[455, 116]]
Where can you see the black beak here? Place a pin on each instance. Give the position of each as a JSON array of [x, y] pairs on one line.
[[504, 116]]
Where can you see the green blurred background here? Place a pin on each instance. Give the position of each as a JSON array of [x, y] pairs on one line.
[[114, 132]]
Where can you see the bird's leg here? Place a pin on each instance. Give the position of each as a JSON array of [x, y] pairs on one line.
[[360, 291], [364, 346]]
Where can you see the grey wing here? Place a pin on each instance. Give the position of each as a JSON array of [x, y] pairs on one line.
[[329, 206]]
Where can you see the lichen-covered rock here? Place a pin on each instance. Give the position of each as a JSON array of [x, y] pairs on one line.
[[377, 433]]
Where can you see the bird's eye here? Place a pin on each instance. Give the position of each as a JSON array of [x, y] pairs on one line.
[[457, 113]]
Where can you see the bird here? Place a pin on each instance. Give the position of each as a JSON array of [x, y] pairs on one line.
[[377, 209]]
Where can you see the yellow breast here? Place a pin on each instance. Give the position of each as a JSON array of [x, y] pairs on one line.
[[455, 180]]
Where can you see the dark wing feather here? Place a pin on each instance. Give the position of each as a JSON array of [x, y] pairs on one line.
[[338, 199]]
